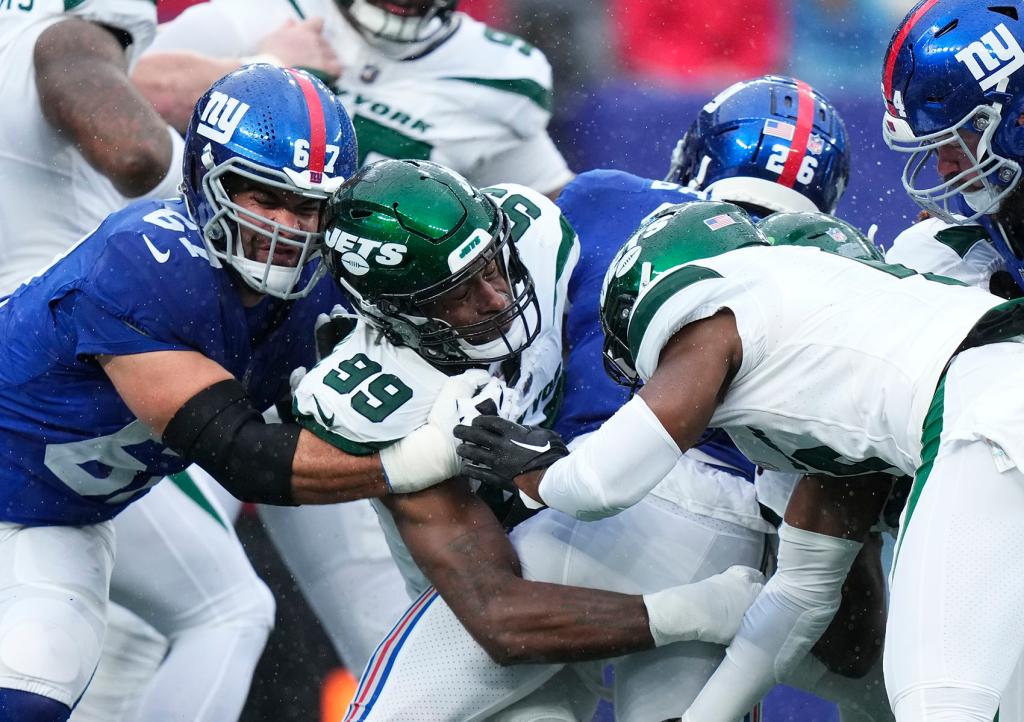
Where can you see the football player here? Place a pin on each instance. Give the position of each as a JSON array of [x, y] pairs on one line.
[[953, 95], [716, 323], [79, 156], [148, 346], [447, 277], [954, 92]]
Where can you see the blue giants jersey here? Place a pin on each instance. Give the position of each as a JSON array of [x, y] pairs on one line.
[[71, 452], [605, 207]]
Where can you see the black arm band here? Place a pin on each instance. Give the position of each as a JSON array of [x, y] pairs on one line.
[[219, 429]]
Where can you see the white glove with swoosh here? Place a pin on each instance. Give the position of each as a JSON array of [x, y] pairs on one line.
[[495, 450]]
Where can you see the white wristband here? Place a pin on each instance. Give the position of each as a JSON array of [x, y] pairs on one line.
[[614, 468]]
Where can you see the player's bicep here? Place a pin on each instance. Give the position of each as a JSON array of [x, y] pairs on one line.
[[693, 373], [157, 384], [81, 73], [457, 542], [845, 508]]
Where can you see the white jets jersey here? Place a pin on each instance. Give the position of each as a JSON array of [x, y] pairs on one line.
[[960, 252], [53, 196], [399, 388], [840, 359], [478, 103]]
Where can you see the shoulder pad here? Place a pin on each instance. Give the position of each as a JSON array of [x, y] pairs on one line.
[[502, 62], [367, 394]]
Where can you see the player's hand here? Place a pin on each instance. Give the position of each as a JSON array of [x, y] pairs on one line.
[[708, 611], [330, 329], [302, 45], [495, 450], [427, 455]]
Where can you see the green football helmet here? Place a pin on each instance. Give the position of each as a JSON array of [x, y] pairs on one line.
[[400, 234], [819, 230], [649, 269]]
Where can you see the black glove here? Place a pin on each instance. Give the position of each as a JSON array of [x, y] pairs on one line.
[[330, 329], [495, 450]]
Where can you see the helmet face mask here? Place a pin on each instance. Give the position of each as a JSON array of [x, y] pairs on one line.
[[224, 232], [404, 237], [400, 22], [280, 130], [772, 142], [984, 183], [952, 74]]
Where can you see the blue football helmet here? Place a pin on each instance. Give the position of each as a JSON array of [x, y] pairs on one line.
[[952, 77], [773, 142], [276, 127], [402, 22]]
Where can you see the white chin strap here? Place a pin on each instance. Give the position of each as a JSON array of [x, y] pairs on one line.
[[985, 200], [515, 338]]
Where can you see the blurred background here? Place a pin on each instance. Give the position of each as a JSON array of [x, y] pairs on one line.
[[629, 77]]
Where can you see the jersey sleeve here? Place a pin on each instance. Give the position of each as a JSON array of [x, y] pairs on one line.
[[508, 89], [130, 283], [137, 18], [686, 295], [532, 161], [96, 331], [960, 252], [223, 28], [367, 394]]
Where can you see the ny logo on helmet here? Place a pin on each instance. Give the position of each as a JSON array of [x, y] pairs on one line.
[[221, 117], [1001, 57]]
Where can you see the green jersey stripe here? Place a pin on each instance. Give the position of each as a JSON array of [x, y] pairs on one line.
[[183, 481], [961, 239], [931, 434], [529, 89]]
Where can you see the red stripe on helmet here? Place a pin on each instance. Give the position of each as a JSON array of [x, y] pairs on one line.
[[894, 51], [804, 123], [317, 126]]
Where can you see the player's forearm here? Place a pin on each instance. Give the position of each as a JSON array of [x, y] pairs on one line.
[[779, 629], [85, 93], [614, 468], [173, 81], [853, 641], [323, 474], [550, 623]]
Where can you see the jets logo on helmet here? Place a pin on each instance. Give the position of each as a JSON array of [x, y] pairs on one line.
[[357, 253]]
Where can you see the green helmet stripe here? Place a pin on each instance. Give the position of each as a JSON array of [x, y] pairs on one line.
[[660, 291]]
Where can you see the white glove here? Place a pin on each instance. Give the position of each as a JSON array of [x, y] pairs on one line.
[[708, 611], [427, 455]]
